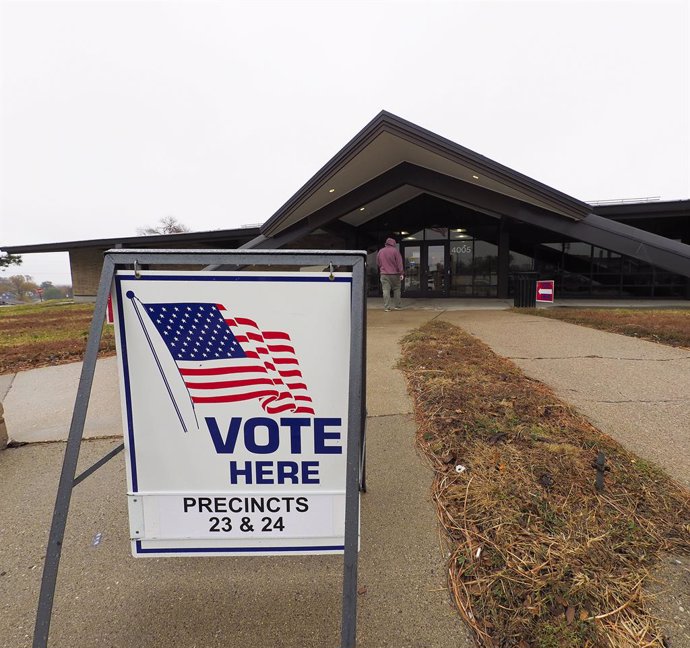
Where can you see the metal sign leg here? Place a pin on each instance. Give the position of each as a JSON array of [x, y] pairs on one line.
[[69, 464], [349, 618]]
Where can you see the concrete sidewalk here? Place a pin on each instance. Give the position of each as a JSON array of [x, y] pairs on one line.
[[105, 597], [39, 402], [638, 392], [635, 391]]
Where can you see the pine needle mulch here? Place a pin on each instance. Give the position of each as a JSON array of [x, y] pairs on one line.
[[538, 557]]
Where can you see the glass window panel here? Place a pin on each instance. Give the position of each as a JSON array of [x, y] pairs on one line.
[[605, 261], [373, 285], [413, 267], [436, 267], [577, 257], [637, 279], [461, 254], [481, 290], [459, 233], [485, 264], [606, 279], [548, 257], [573, 283], [436, 233], [662, 278], [631, 266], [642, 290], [606, 285], [414, 236], [520, 262], [460, 289], [671, 290]]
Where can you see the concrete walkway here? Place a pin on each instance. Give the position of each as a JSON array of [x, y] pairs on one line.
[[106, 597], [636, 391]]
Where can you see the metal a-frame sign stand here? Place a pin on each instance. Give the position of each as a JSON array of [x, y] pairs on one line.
[[215, 260]]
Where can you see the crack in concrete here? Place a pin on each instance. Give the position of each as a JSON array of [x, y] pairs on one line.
[[7, 390]]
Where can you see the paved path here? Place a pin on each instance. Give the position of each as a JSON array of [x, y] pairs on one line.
[[106, 597], [636, 391], [39, 402]]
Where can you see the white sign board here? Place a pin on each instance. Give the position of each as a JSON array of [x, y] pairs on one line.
[[235, 399]]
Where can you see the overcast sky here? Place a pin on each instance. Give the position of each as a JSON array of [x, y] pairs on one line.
[[115, 114]]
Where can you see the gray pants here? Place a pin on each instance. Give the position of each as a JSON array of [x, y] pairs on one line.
[[390, 282]]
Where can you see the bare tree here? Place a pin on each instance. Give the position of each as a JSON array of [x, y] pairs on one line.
[[166, 225]]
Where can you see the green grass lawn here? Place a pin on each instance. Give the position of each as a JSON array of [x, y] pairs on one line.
[[47, 333]]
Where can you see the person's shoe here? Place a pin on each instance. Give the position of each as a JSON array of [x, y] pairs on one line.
[[398, 308], [386, 310]]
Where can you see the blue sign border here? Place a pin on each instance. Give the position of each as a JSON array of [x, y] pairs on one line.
[[128, 399]]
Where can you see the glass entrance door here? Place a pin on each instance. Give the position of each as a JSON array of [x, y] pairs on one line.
[[436, 284], [426, 267], [412, 260]]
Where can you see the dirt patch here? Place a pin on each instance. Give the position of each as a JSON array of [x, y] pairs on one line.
[[43, 335], [670, 327], [539, 558]]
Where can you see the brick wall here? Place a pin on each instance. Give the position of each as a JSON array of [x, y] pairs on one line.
[[86, 265]]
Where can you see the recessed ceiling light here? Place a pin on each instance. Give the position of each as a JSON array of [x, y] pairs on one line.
[[404, 233], [476, 177], [459, 229], [361, 209], [331, 190]]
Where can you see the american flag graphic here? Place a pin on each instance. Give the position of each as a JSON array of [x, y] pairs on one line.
[[224, 359]]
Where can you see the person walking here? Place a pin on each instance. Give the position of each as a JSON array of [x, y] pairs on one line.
[[390, 265]]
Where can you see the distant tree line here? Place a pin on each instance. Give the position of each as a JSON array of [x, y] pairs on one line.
[[22, 288]]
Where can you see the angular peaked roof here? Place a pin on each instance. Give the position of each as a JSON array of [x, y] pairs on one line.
[[388, 141]]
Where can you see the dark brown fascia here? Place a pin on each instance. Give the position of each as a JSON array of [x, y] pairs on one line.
[[655, 209], [157, 240], [387, 122]]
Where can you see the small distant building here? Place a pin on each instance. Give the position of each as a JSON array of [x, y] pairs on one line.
[[465, 224]]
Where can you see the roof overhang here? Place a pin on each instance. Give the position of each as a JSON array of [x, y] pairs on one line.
[[187, 239], [389, 141]]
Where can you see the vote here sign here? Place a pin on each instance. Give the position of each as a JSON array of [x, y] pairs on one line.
[[235, 398]]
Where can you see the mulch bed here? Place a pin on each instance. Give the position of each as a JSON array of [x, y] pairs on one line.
[[539, 558]]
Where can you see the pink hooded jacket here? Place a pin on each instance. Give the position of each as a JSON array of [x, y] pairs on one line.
[[389, 260]]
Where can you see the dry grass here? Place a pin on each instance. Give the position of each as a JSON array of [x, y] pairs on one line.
[[665, 326], [51, 333], [538, 557]]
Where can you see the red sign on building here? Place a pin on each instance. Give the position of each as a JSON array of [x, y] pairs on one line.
[[545, 291]]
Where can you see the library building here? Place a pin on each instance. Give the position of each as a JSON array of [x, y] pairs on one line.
[[466, 225]]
